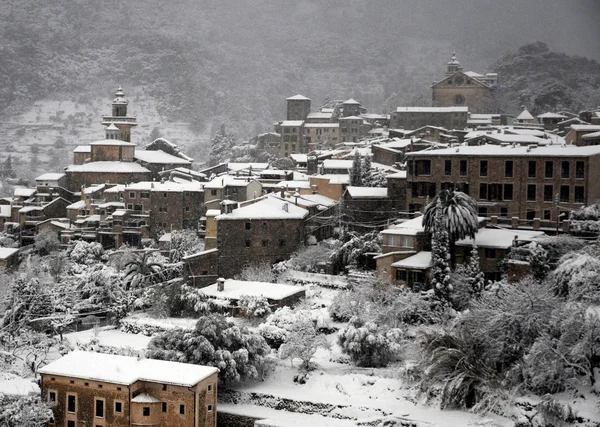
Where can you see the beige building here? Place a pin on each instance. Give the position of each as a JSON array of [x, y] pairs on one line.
[[105, 390]]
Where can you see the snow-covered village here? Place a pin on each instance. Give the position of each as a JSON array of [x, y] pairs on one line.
[[322, 216]]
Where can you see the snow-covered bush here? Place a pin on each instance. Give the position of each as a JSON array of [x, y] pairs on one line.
[[239, 354], [23, 411], [278, 326], [308, 258], [577, 277], [302, 341], [87, 253], [46, 241], [538, 260], [254, 306], [352, 248], [131, 326], [95, 346], [184, 243], [258, 273], [367, 344]]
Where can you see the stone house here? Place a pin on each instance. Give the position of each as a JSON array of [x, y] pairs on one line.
[[418, 117], [292, 137], [353, 128], [96, 389], [111, 172], [81, 154], [266, 231], [228, 187], [321, 135], [157, 161], [578, 131], [298, 107], [523, 182], [201, 269], [367, 208], [551, 120], [332, 186], [396, 190]]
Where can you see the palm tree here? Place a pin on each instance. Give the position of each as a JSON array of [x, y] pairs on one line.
[[460, 216], [142, 270]]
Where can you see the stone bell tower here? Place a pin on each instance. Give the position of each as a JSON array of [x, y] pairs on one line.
[[119, 117]]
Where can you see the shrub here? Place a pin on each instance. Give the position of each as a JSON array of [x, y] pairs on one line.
[[302, 342], [366, 344], [278, 326], [254, 306]]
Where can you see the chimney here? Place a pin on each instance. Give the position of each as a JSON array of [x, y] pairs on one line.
[[282, 192], [314, 189], [220, 284], [284, 207]]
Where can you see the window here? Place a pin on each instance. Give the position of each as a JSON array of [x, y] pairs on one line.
[[265, 243], [405, 242], [210, 388], [71, 403], [508, 169], [209, 408], [213, 192], [530, 215], [463, 168], [248, 225], [131, 195], [401, 275], [146, 411], [579, 170], [549, 170], [490, 253], [495, 192], [579, 194], [547, 214], [118, 407], [564, 170], [483, 211], [504, 212], [281, 243], [187, 208], [130, 206], [164, 194], [182, 409], [99, 408], [70, 423], [52, 396], [531, 171], [483, 168], [483, 191], [548, 193], [144, 195], [564, 193], [422, 167], [248, 243], [531, 189], [164, 406], [447, 167], [508, 191]]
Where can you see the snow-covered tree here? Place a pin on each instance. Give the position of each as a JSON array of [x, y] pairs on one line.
[[577, 277], [475, 277], [538, 260], [87, 253], [254, 306], [23, 411], [440, 256], [46, 241], [184, 243], [278, 327], [144, 269], [262, 272], [100, 287], [239, 354], [367, 344], [221, 147], [352, 248], [356, 173], [303, 341]]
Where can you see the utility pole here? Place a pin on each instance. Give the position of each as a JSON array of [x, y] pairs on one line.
[[557, 212]]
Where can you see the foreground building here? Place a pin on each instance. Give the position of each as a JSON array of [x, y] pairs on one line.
[[95, 389]]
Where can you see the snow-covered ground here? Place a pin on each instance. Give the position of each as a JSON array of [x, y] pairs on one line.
[[15, 385], [110, 337]]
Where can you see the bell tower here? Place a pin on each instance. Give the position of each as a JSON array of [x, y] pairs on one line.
[[119, 118], [453, 65]]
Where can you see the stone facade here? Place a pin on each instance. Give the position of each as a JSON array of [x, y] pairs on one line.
[[449, 117], [298, 107]]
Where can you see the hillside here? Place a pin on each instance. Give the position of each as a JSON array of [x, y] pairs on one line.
[[544, 80]]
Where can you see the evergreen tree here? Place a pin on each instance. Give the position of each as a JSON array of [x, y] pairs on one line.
[[221, 146], [8, 168], [475, 277], [440, 269], [356, 174]]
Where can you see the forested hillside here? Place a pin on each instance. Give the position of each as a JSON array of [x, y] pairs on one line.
[[544, 80]]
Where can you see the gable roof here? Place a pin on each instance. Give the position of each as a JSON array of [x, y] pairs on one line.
[[298, 98], [266, 208], [475, 81]]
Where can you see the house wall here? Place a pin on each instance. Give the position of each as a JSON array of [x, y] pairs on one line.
[[80, 158], [386, 156], [397, 193], [325, 188], [77, 179], [263, 241], [298, 109], [416, 119], [202, 270]]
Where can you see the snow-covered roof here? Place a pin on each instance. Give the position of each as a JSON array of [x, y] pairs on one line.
[[432, 109], [479, 121], [113, 142], [145, 398], [319, 115], [411, 227], [322, 125], [351, 102], [299, 158], [94, 188], [112, 204], [50, 177], [12, 384], [234, 289], [159, 156], [592, 135], [30, 209], [513, 151], [419, 261], [551, 116], [266, 208], [292, 185], [473, 74], [115, 189], [395, 144], [292, 123], [400, 175], [7, 252], [80, 204], [298, 98], [5, 211], [525, 115], [24, 192], [367, 192], [83, 149], [213, 212], [165, 238], [169, 186], [337, 164], [335, 178], [582, 128], [498, 238], [227, 181], [126, 370], [243, 166], [350, 118], [108, 167]]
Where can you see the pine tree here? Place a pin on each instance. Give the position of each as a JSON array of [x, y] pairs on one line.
[[475, 277], [440, 255], [356, 176]]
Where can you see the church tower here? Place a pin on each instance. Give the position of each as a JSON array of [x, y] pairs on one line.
[[453, 65], [119, 119]]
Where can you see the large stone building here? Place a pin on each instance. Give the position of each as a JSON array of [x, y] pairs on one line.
[[418, 117], [524, 182], [119, 122], [96, 389], [467, 88]]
